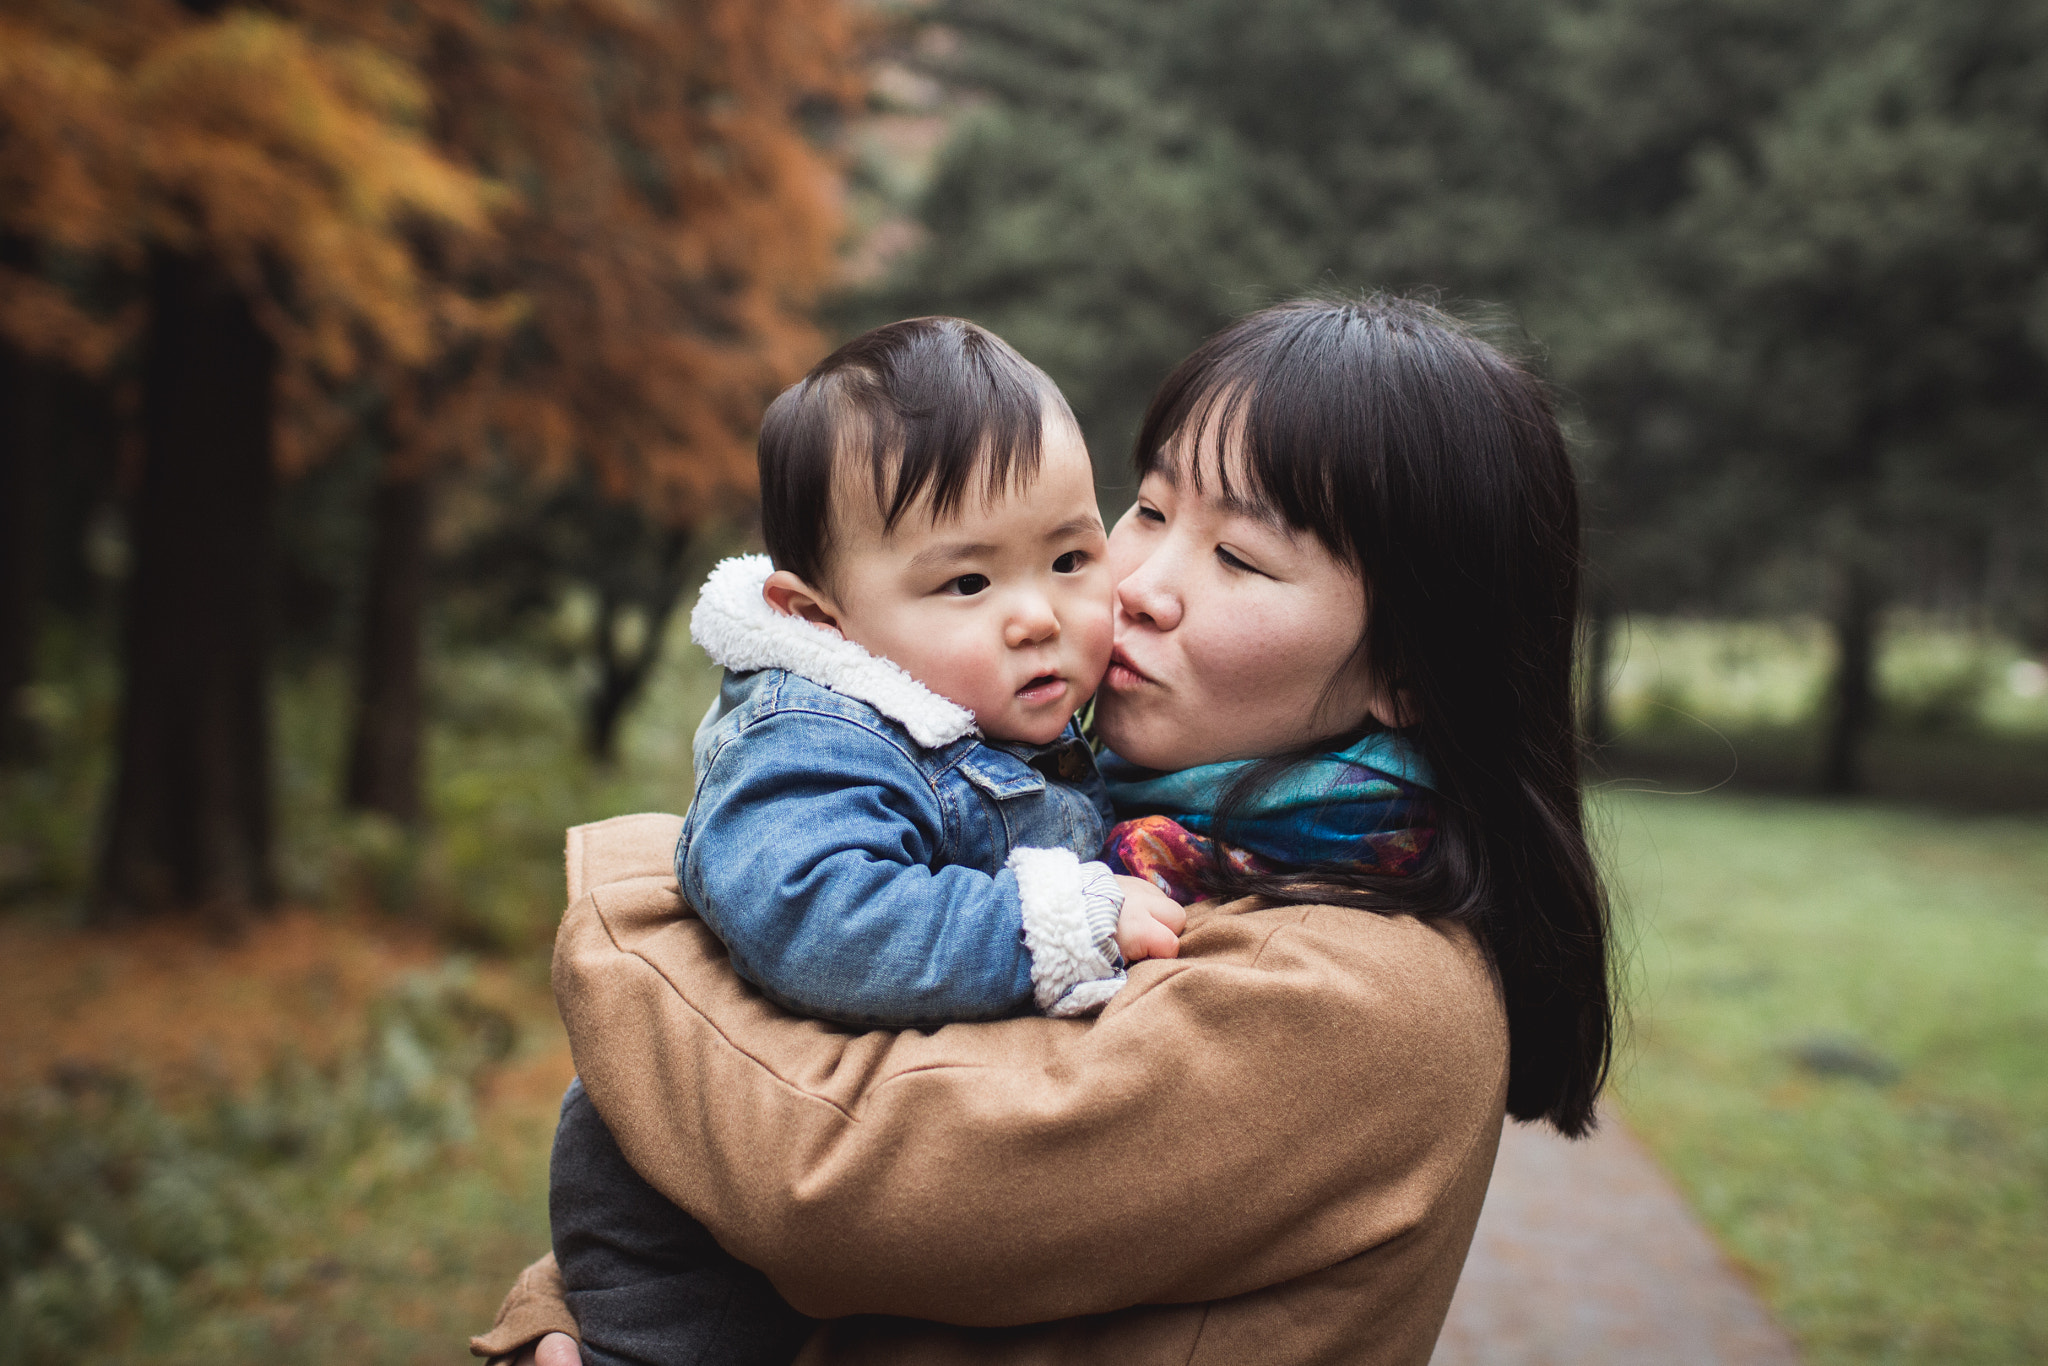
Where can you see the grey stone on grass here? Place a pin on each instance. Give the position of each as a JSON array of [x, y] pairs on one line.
[[1838, 1055]]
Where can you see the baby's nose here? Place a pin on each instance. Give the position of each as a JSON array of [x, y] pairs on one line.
[[1031, 622]]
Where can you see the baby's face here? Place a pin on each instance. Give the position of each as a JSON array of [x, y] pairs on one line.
[[1003, 607]]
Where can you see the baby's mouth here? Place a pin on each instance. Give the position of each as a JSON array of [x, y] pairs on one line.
[[1043, 688]]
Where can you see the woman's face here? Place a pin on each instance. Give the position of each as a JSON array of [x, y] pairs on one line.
[[1235, 634]]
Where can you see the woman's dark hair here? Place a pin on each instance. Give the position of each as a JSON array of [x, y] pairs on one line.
[[927, 404], [1434, 464]]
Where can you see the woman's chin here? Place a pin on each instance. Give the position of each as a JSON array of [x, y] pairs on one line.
[[1120, 723]]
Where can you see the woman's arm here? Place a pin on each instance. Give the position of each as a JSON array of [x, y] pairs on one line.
[[1297, 1088]]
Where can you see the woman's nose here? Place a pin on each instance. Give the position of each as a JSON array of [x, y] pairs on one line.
[[1146, 595]]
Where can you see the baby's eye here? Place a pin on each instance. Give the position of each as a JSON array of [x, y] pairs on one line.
[[967, 585], [1070, 563], [1150, 514]]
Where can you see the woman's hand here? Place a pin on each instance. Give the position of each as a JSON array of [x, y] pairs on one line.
[[556, 1349], [1150, 924]]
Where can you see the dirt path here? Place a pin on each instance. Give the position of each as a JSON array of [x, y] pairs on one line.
[[1586, 1256]]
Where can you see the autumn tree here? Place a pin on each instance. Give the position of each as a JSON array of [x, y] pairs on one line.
[[265, 190], [578, 237], [674, 220], [61, 170]]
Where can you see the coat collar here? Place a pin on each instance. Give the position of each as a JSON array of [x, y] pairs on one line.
[[738, 629]]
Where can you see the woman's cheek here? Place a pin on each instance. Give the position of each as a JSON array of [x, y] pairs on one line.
[[1239, 659], [1259, 672]]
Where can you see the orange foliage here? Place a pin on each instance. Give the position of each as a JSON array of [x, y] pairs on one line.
[[298, 165], [674, 228], [255, 141], [186, 1013], [585, 231], [64, 181]]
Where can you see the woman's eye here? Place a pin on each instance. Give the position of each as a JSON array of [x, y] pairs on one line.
[[1150, 514], [1231, 561], [1070, 563], [967, 585]]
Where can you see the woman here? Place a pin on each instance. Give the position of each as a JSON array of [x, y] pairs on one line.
[[1355, 542]]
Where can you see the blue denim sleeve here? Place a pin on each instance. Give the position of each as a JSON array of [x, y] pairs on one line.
[[809, 852]]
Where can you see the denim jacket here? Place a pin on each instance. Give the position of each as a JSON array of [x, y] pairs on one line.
[[865, 856]]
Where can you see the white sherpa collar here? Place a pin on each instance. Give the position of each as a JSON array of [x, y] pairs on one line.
[[738, 629]]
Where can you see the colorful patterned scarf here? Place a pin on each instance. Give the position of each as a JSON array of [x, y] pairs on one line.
[[1363, 807]]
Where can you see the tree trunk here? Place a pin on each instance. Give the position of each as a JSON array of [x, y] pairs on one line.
[[24, 505], [1853, 712], [621, 672], [1599, 713], [384, 754], [190, 822]]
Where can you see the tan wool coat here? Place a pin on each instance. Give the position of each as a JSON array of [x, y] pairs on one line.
[[1270, 1149]]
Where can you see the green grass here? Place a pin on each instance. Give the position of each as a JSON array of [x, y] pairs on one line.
[[1840, 1049]]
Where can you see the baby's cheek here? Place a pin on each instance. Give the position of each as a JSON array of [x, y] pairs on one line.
[[1092, 623], [968, 674], [1097, 637]]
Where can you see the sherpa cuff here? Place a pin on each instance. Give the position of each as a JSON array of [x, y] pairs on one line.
[[1070, 914]]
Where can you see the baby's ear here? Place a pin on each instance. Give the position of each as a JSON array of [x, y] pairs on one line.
[[792, 597]]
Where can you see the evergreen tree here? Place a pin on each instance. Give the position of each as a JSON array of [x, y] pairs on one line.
[[1742, 232], [1875, 264]]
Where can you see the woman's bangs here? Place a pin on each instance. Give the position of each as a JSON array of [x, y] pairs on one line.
[[1214, 438], [1280, 408]]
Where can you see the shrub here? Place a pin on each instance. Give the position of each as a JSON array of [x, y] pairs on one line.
[[116, 1213]]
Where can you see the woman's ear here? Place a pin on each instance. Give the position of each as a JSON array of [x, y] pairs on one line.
[[792, 597], [1392, 706], [1396, 711]]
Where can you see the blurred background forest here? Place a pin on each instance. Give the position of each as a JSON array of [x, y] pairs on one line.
[[377, 381]]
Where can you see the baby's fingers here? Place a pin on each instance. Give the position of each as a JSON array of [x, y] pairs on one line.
[[1170, 913], [1161, 941]]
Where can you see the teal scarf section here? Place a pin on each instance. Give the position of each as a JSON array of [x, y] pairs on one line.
[[1363, 806]]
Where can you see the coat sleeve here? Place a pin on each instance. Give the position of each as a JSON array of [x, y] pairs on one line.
[[534, 1307], [824, 879], [1299, 1087]]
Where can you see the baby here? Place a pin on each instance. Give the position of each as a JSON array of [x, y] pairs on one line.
[[896, 819]]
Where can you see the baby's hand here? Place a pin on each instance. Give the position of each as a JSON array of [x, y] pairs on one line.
[[1151, 922]]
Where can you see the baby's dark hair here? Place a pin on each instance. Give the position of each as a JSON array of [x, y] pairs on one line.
[[932, 406]]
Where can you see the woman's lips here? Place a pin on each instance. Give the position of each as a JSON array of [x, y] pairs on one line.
[[1123, 676]]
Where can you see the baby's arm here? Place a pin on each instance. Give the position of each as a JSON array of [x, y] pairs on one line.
[[818, 877]]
